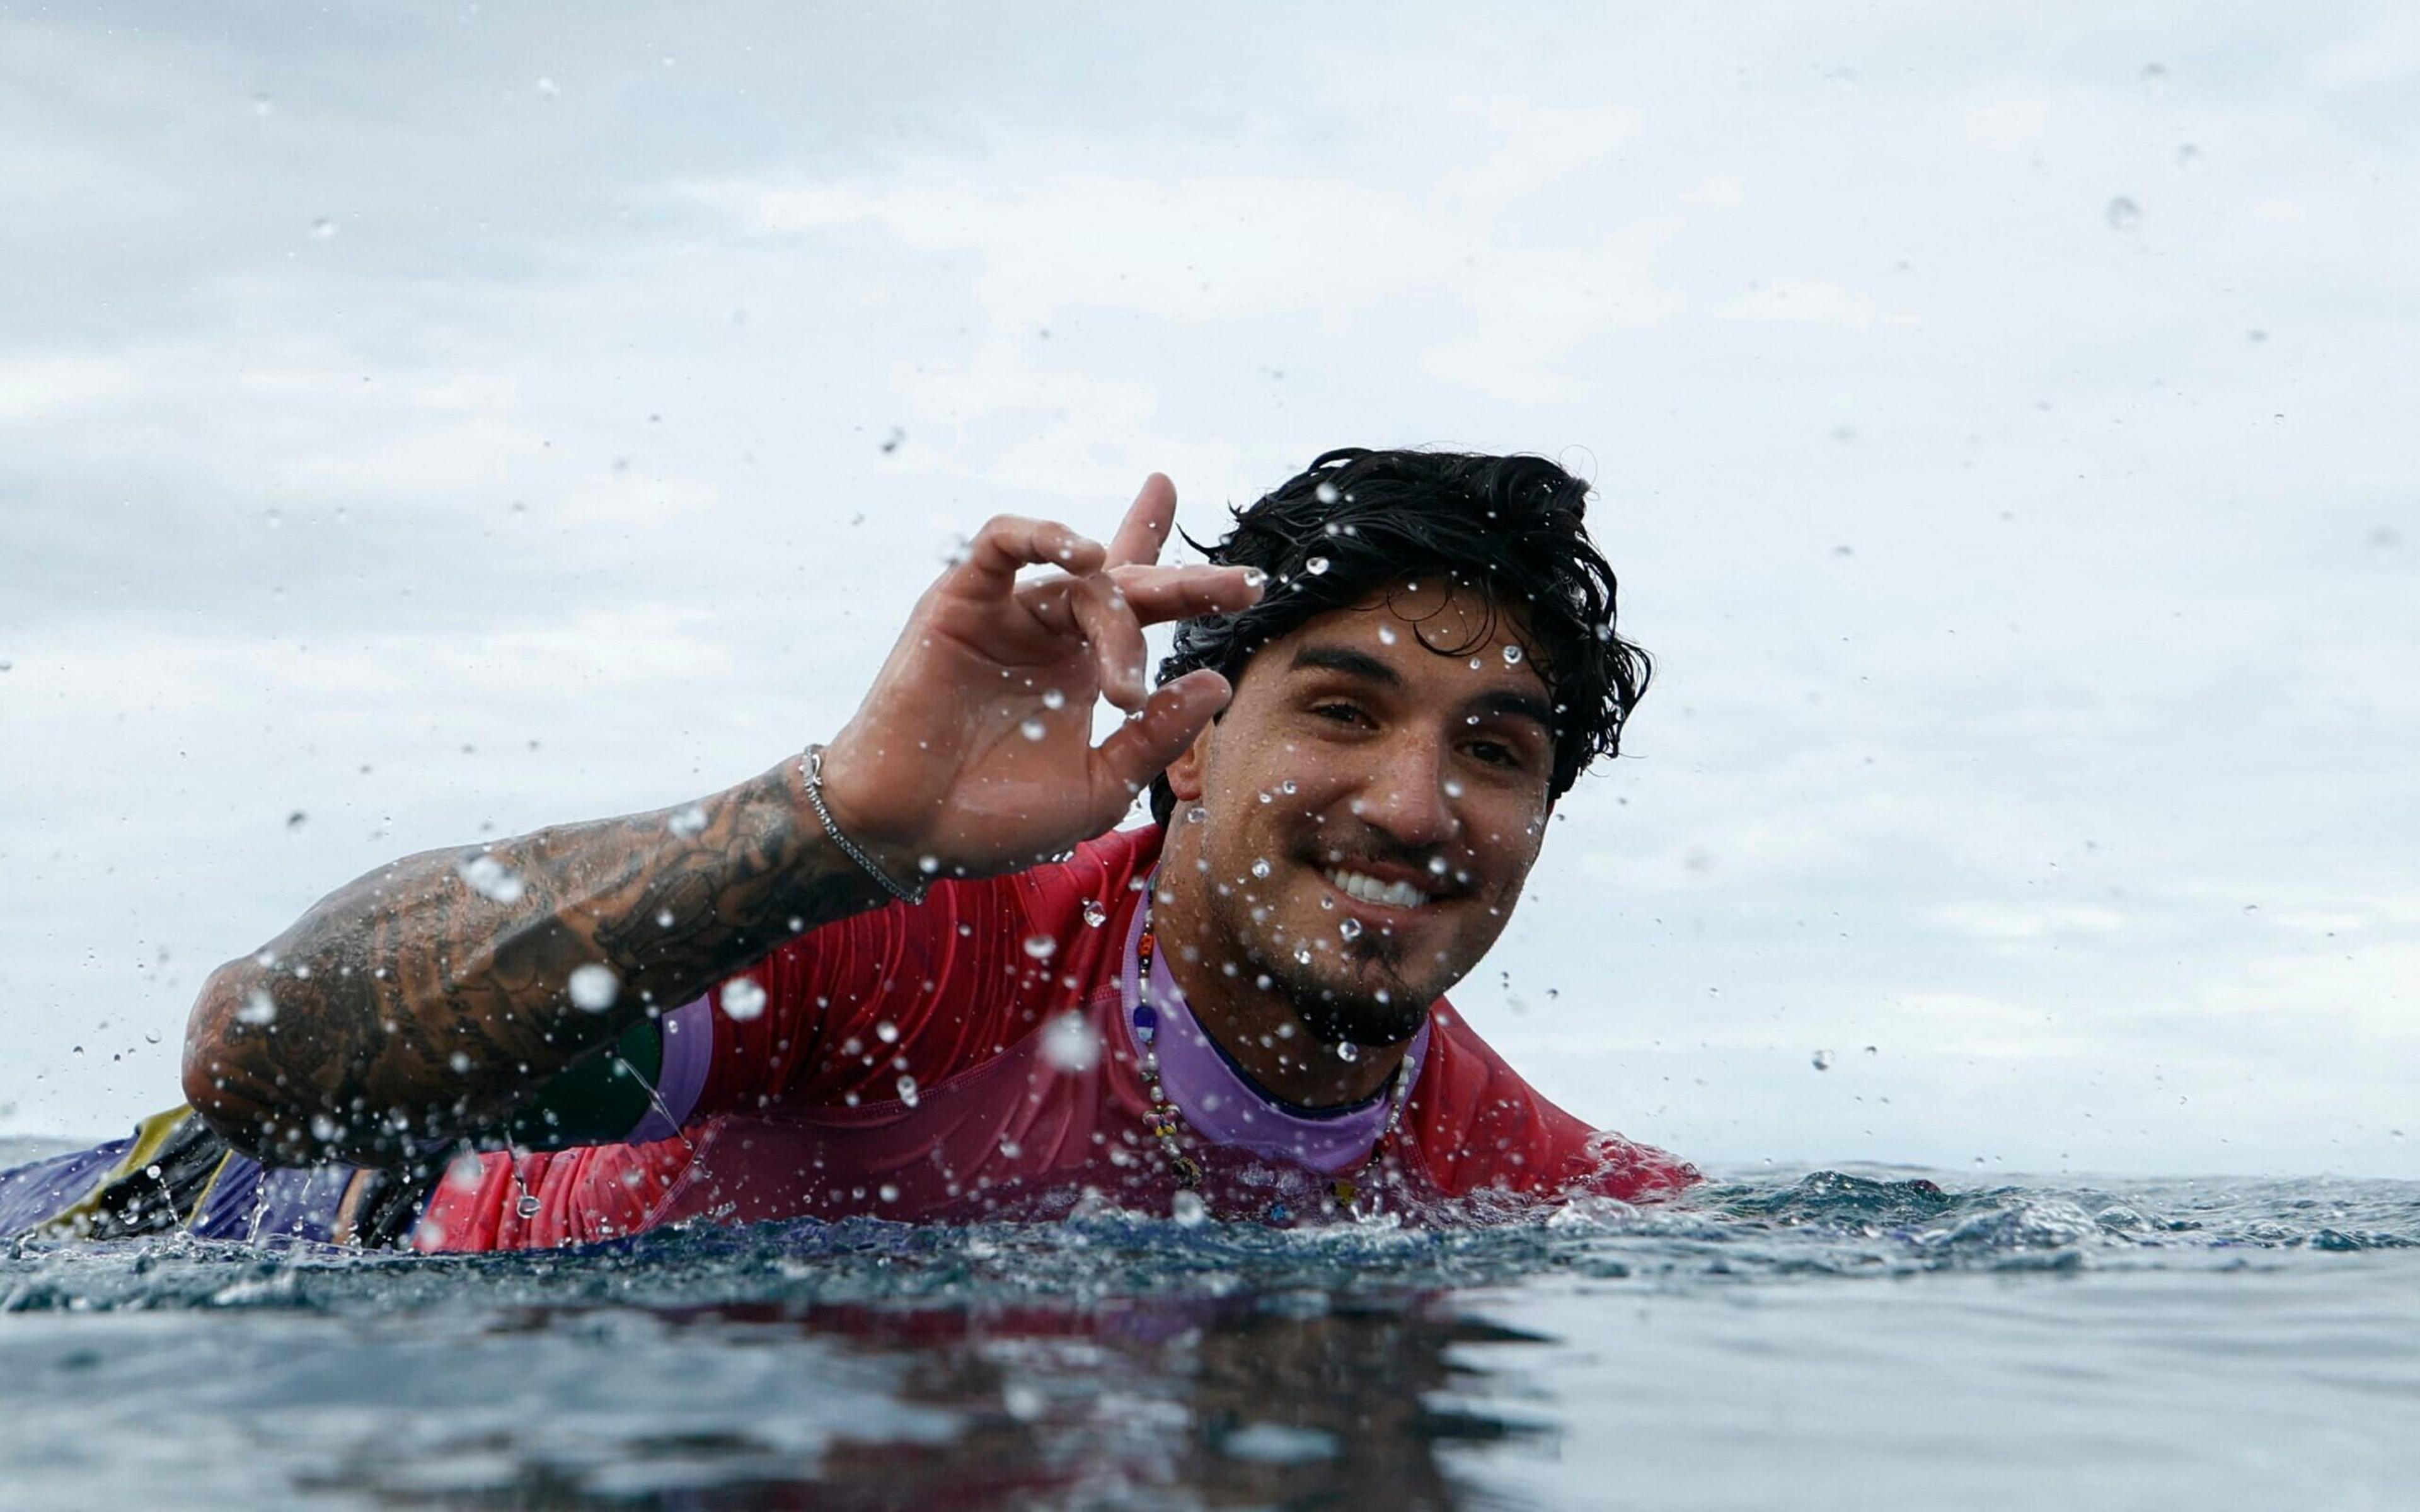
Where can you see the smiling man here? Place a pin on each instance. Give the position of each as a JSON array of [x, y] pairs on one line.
[[909, 975]]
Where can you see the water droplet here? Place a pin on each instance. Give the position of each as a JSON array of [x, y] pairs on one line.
[[1053, 699], [258, 1007], [688, 822], [1261, 866], [742, 999], [489, 879], [322, 229], [1872, 1051], [887, 1191], [1511, 655], [1267, 797], [1069, 1044], [296, 820], [664, 919], [548, 87], [1186, 1208], [1317, 566], [1386, 635], [325, 1129], [907, 1091], [1034, 730], [1348, 1051], [929, 865], [1453, 788], [2122, 214], [1821, 1059], [1326, 493], [1477, 665], [1349, 927], [1436, 866], [1040, 947], [459, 1061], [593, 987], [1095, 914], [1302, 955], [464, 1172], [1287, 787]]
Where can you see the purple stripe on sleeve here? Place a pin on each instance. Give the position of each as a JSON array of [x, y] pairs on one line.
[[689, 1051]]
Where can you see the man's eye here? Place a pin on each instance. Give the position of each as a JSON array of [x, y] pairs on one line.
[[1494, 753], [1341, 713]]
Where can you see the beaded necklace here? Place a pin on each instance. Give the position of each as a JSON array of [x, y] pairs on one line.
[[1163, 1120]]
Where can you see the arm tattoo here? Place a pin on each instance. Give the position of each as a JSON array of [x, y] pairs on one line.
[[426, 1001]]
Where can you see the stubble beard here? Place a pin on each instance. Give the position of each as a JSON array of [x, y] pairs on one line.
[[1336, 1008]]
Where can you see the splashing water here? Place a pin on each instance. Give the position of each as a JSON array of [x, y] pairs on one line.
[[1070, 1044], [487, 877], [593, 987], [1192, 1359], [742, 999]]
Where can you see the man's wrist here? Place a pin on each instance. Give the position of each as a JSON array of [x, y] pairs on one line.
[[891, 867]]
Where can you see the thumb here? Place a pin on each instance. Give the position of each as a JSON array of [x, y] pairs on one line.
[[1142, 747]]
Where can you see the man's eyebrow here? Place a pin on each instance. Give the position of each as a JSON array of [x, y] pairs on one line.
[[1519, 705], [1350, 663]]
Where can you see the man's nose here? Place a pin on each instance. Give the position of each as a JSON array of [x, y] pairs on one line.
[[1407, 798]]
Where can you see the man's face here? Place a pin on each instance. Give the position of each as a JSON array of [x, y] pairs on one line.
[[1371, 808]]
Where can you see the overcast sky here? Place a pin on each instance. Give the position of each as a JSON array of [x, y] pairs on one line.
[[420, 423]]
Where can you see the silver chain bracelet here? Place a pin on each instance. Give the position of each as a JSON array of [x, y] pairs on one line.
[[812, 765]]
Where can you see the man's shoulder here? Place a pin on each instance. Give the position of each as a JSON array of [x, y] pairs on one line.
[[1481, 1124], [1106, 869]]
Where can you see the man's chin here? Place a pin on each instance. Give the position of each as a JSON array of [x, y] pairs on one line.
[[1352, 1012]]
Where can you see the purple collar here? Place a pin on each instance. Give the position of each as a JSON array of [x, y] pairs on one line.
[[1223, 1107]]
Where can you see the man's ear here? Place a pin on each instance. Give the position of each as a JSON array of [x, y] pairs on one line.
[[1188, 774]]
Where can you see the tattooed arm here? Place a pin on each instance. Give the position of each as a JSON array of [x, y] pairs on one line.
[[428, 999], [425, 1000]]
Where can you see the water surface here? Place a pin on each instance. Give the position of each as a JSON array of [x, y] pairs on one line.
[[1777, 1339]]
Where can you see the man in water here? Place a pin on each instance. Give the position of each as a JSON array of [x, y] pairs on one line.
[[909, 974]]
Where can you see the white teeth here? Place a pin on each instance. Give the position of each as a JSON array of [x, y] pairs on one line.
[[1371, 890]]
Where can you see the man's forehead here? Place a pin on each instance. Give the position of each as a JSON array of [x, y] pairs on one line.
[[1441, 614], [1407, 628]]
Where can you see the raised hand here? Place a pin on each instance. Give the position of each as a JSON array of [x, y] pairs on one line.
[[972, 752]]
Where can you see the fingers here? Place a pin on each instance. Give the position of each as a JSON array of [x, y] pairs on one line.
[[1123, 765], [1115, 635], [1160, 594], [1148, 521], [1009, 542]]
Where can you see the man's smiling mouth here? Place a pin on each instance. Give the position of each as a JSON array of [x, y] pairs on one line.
[[1369, 890]]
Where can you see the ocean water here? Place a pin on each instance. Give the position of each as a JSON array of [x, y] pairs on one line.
[[1779, 1339]]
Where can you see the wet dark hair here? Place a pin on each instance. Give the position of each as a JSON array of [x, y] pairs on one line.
[[1509, 527]]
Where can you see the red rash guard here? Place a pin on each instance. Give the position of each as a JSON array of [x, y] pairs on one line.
[[897, 1068]]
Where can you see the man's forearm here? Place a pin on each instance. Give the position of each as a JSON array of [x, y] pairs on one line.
[[425, 1000]]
